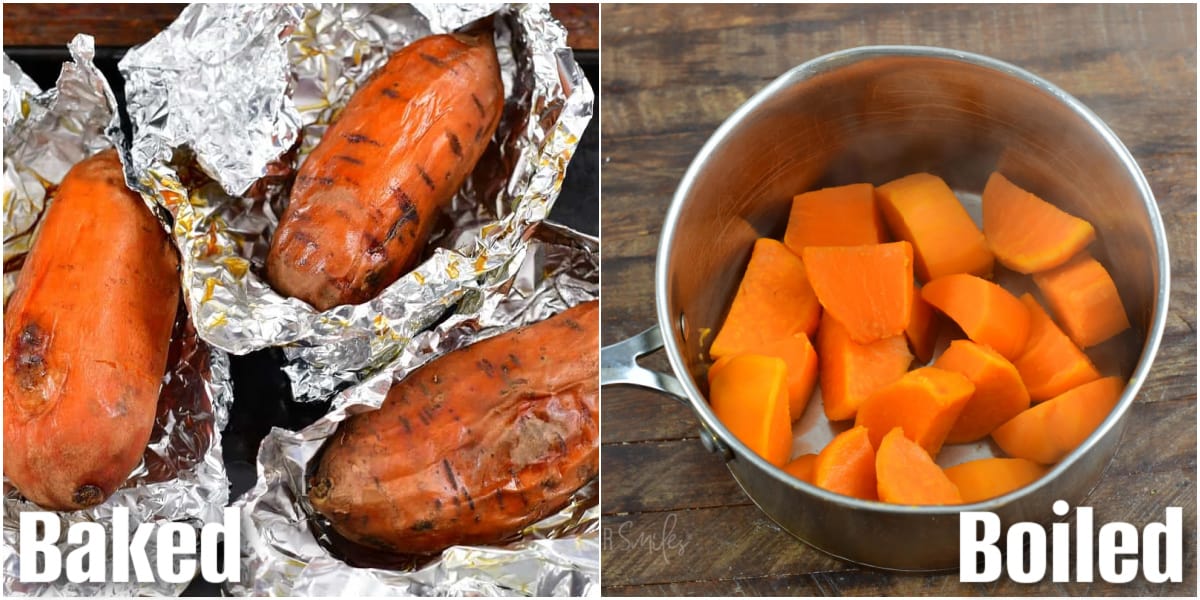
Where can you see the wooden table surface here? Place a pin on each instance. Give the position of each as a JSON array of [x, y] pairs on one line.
[[675, 522], [56, 24]]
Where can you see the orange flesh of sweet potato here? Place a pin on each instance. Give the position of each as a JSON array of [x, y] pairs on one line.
[[86, 338], [923, 328], [1049, 431], [774, 300], [802, 467], [1084, 300], [749, 396], [471, 447], [999, 393], [847, 465], [986, 478], [801, 359], [866, 288], [986, 312], [837, 216], [905, 474], [1051, 363], [1028, 234], [925, 403], [366, 199], [851, 372], [921, 209]]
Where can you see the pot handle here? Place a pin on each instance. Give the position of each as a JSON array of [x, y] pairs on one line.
[[618, 365]]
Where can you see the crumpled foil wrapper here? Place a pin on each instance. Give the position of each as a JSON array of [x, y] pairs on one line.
[[282, 553], [227, 102], [181, 476], [45, 134]]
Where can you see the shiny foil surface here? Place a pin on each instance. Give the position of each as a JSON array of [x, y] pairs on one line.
[[283, 549], [182, 476], [227, 102]]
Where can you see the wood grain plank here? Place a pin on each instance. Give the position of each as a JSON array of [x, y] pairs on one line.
[[658, 476], [111, 25], [644, 417], [129, 25], [740, 543]]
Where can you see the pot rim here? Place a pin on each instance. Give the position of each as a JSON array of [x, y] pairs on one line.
[[839, 59]]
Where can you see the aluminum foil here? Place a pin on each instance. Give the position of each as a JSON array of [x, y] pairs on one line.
[[181, 476], [45, 133], [227, 102], [282, 554]]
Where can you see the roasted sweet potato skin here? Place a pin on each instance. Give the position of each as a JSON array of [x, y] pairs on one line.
[[86, 338], [364, 202], [472, 447]]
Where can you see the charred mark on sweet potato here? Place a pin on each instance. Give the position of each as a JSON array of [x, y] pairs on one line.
[[423, 525], [30, 357], [486, 366], [478, 105], [350, 159], [426, 178], [310, 179], [455, 145], [450, 474], [88, 495], [358, 138], [433, 60]]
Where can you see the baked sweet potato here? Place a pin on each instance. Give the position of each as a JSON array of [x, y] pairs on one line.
[[365, 200], [472, 447], [86, 336]]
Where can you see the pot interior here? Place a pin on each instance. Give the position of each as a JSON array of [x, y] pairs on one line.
[[866, 117]]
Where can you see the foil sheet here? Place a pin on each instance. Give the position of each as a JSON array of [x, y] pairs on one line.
[[282, 551], [227, 102], [45, 133], [181, 476]]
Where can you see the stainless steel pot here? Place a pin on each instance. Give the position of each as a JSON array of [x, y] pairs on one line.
[[874, 114]]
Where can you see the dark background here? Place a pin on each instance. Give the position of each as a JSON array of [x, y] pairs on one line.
[[35, 37]]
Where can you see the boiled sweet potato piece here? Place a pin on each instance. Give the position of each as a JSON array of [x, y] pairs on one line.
[[851, 372], [905, 474], [749, 396], [1049, 431], [847, 465], [801, 359], [1028, 234], [774, 300], [986, 312], [923, 327], [837, 216], [802, 467], [999, 393], [866, 288], [1084, 299], [986, 478], [925, 403], [1051, 363], [921, 209]]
